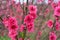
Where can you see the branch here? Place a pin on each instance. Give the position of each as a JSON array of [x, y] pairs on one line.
[[1, 18]]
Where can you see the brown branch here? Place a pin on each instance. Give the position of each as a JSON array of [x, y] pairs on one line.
[[1, 18]]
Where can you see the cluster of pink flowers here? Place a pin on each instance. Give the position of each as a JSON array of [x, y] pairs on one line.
[[56, 23], [29, 19], [52, 36], [27, 24], [12, 26], [57, 15], [57, 11]]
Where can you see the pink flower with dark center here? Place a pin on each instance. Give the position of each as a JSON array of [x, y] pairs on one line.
[[32, 8], [12, 22], [56, 18], [12, 34], [57, 26], [22, 28], [13, 27], [52, 36], [34, 15], [54, 5], [28, 19], [57, 11], [50, 23], [30, 27], [5, 22]]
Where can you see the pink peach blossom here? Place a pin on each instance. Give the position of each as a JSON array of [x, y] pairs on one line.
[[57, 26], [12, 22], [30, 27], [57, 11], [34, 15], [52, 36], [12, 34], [13, 27], [54, 5], [28, 19], [22, 28], [32, 8], [50, 23], [5, 22]]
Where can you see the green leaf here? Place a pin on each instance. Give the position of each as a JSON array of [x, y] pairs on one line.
[[58, 38], [22, 35], [4, 38]]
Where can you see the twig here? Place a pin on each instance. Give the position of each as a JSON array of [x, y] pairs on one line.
[[1, 18]]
